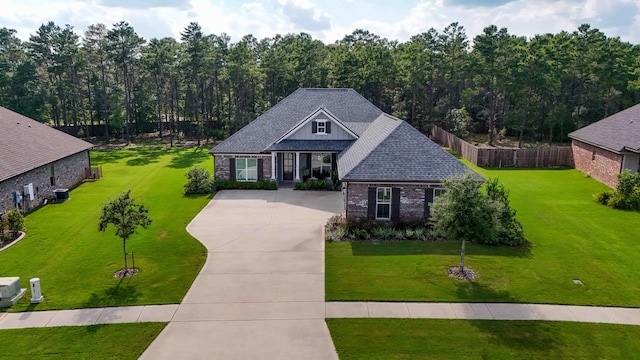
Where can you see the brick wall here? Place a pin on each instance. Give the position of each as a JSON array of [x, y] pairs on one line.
[[68, 172], [221, 165], [411, 199], [604, 166]]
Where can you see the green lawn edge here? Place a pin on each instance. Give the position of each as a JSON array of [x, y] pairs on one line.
[[572, 237], [112, 341], [391, 339], [75, 262]]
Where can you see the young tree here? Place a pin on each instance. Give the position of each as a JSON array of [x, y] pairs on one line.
[[462, 213], [125, 215]]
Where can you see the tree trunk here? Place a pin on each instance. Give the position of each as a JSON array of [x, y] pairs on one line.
[[124, 248], [462, 257]]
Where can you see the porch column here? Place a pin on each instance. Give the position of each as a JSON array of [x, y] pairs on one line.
[[274, 158], [297, 166]]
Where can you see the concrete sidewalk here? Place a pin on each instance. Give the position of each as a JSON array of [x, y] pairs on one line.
[[314, 311], [483, 311], [82, 317]]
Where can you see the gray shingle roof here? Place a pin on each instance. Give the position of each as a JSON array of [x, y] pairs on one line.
[[311, 145], [26, 144], [618, 132], [346, 104], [392, 150]]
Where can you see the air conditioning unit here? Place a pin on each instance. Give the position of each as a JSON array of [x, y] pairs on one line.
[[28, 191], [61, 194]]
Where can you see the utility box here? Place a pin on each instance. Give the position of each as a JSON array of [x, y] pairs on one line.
[[36, 294], [28, 191], [10, 291], [61, 194]]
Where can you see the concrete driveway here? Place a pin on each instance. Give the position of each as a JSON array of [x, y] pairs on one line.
[[260, 294]]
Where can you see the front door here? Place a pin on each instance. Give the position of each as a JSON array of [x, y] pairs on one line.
[[287, 166]]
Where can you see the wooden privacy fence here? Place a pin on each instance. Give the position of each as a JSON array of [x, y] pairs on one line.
[[540, 157]]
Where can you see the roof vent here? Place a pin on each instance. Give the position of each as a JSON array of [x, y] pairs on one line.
[[18, 123]]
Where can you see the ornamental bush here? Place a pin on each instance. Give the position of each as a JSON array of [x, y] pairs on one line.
[[199, 181], [15, 222]]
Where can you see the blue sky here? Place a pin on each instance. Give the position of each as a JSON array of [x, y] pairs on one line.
[[327, 20]]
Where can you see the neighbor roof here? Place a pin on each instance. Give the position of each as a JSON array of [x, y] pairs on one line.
[[27, 144], [618, 132], [392, 150], [347, 105]]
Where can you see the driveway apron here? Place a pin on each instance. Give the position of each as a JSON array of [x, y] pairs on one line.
[[260, 294]]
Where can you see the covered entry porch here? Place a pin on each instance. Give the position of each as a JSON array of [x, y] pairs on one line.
[[301, 166]]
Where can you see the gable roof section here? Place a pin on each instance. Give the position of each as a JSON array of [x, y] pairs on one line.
[[345, 104], [26, 144], [392, 150], [306, 120], [618, 132]]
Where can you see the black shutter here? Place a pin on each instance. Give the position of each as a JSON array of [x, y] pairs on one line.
[[371, 206], [395, 204], [428, 199], [260, 169], [334, 162], [328, 127], [232, 169], [314, 127]]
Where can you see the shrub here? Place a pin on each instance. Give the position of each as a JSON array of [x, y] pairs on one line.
[[383, 232], [603, 197], [15, 222], [199, 181], [224, 184]]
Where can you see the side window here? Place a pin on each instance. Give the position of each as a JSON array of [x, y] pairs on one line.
[[383, 203], [322, 127]]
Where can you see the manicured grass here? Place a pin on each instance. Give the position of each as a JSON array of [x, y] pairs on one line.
[[481, 339], [573, 238], [75, 262], [117, 341]]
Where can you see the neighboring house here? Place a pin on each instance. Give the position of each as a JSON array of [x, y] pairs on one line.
[[36, 159], [389, 170], [605, 148]]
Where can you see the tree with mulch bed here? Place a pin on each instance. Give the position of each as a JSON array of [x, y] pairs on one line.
[[126, 216], [15, 225], [465, 213]]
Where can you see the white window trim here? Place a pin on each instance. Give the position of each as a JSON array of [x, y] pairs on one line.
[[246, 169], [322, 122], [441, 190], [378, 202]]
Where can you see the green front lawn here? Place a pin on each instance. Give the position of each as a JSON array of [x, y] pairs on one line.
[[75, 262], [481, 339], [573, 238], [117, 341]]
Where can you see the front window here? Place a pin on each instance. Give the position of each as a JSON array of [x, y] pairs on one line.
[[322, 127], [246, 169], [321, 165], [437, 192], [383, 203]]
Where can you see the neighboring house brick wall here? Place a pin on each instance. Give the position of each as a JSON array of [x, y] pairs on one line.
[[221, 165], [411, 199], [68, 172], [604, 167]]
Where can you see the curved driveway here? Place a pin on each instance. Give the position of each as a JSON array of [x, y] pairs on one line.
[[260, 294]]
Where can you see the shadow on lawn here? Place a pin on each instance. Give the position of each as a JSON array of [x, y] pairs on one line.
[[392, 248], [518, 335], [186, 159], [120, 294], [147, 155]]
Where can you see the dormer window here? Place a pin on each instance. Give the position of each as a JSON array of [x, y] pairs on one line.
[[321, 127]]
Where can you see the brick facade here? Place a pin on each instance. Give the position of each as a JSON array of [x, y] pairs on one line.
[[412, 197], [598, 163], [68, 173], [221, 165]]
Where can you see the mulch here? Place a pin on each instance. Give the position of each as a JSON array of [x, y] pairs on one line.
[[122, 273], [466, 274]]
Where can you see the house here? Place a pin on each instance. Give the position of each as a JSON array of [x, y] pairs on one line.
[[605, 148], [36, 159], [389, 170]]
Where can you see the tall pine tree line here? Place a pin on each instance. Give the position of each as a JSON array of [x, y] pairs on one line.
[[203, 85]]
